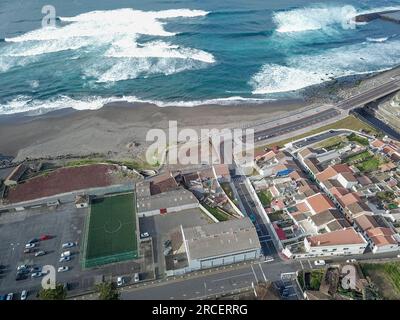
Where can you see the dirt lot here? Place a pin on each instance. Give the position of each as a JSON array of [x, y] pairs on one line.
[[61, 181]]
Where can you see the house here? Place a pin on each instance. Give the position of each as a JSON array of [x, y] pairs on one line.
[[15, 175], [357, 209], [376, 230], [319, 202], [162, 183], [328, 220], [222, 243], [377, 143], [347, 179], [341, 242]]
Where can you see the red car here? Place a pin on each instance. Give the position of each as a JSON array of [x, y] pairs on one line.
[[45, 237]]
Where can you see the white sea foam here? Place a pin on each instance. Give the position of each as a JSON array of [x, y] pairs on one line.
[[383, 39], [36, 106], [318, 17], [114, 34], [306, 70]]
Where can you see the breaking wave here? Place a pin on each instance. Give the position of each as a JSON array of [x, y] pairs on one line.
[[316, 18], [306, 70], [113, 35]]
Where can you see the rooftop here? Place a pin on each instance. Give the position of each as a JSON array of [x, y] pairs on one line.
[[319, 203], [339, 237], [221, 238]]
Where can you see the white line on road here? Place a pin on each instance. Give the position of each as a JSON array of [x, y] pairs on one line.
[[301, 264], [262, 271], [255, 276], [236, 276], [310, 264]]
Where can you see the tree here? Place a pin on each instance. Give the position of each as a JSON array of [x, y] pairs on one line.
[[59, 293], [107, 291]]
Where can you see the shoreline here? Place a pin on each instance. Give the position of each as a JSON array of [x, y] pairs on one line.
[[118, 129]]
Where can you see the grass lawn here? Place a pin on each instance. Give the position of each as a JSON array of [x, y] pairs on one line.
[[386, 276], [349, 122], [360, 140], [369, 165], [111, 233], [216, 212], [265, 198], [356, 157], [332, 143]]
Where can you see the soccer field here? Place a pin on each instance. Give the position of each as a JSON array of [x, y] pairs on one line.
[[111, 232]]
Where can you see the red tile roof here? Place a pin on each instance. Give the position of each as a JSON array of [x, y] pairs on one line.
[[320, 202], [340, 237]]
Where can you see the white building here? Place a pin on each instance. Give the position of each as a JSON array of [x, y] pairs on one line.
[[221, 243], [341, 242]]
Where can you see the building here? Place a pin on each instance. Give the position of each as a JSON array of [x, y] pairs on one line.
[[341, 242], [162, 183], [15, 175], [319, 203], [167, 202], [376, 230], [221, 243]]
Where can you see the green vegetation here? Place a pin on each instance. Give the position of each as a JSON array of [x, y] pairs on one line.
[[315, 279], [336, 142], [369, 165], [107, 291], [356, 138], [228, 190], [58, 293], [275, 216], [265, 198], [111, 235], [300, 278], [216, 212], [385, 276], [349, 122], [358, 157], [133, 165], [386, 196]]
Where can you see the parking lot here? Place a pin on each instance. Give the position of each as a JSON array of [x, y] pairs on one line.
[[160, 226], [64, 223]]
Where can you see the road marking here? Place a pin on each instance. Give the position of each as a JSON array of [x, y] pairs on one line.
[[310, 264], [262, 271], [301, 264], [236, 276], [255, 276]]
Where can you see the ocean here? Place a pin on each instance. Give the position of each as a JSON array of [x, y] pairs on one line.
[[184, 53]]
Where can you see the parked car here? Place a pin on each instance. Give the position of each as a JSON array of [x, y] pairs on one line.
[[319, 262], [30, 245], [120, 281], [63, 269], [3, 297], [24, 294], [136, 277], [10, 296], [144, 235], [29, 250], [22, 267], [20, 276], [36, 274], [63, 259], [40, 253], [167, 243], [351, 260], [65, 254], [44, 237], [68, 245], [33, 240], [36, 269]]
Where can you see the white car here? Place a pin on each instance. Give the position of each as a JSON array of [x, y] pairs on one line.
[[30, 245], [65, 254], [63, 269], [40, 253], [24, 295], [144, 235], [319, 262], [120, 281], [68, 245], [10, 296], [62, 259], [36, 275], [351, 260], [22, 267]]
